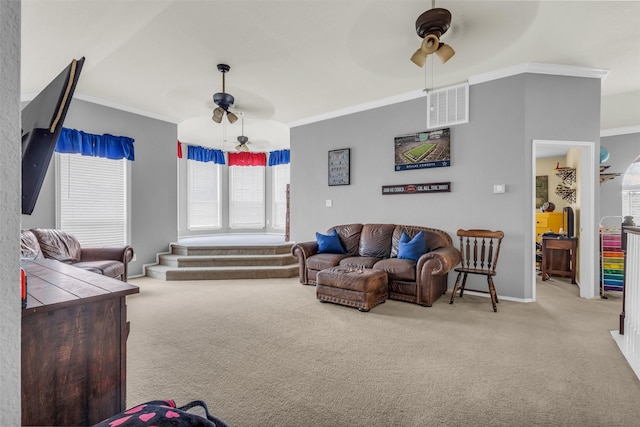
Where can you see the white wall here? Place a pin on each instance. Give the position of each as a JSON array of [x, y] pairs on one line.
[[10, 172]]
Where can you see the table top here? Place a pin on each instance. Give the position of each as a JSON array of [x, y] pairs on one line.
[[52, 285], [558, 237]]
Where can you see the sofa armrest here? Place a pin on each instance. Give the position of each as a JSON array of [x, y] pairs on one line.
[[123, 254], [302, 251], [440, 261]]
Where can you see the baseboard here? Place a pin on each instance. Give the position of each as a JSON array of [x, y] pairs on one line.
[[500, 297]]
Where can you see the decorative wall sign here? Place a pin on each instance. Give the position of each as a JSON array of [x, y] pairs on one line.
[[339, 163], [423, 150], [433, 187]]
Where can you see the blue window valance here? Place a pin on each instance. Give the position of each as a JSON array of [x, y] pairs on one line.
[[280, 157], [201, 154], [88, 144]]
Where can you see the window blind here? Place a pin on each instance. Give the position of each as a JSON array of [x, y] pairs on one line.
[[92, 199], [204, 195], [246, 197]]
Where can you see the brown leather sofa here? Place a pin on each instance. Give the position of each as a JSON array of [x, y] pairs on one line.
[[376, 246], [39, 243]]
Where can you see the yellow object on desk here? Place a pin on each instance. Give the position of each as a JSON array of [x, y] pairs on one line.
[[548, 221]]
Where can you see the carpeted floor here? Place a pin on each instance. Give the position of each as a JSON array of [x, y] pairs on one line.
[[267, 353]]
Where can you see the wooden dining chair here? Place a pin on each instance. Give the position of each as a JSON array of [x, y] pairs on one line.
[[479, 250]]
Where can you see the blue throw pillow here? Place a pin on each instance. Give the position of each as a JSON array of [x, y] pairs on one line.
[[329, 244], [412, 248]]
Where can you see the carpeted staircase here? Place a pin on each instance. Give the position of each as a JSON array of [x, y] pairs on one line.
[[225, 262]]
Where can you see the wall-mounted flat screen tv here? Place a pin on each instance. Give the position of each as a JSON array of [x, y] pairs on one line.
[[42, 122], [429, 149]]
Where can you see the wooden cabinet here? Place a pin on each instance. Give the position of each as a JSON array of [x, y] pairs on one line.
[[548, 221], [74, 334], [559, 257]]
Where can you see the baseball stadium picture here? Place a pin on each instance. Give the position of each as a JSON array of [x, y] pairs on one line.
[[423, 150]]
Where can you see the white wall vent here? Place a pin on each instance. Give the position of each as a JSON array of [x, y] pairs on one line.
[[448, 106]]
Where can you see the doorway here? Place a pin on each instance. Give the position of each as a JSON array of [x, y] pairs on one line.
[[584, 207]]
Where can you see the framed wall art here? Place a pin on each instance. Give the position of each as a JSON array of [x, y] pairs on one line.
[[422, 150], [339, 165], [542, 190]]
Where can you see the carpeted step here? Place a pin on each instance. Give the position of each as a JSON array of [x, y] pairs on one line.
[[164, 272], [218, 262], [178, 249], [182, 261]]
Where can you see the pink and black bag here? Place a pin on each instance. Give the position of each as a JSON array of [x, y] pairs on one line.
[[163, 413]]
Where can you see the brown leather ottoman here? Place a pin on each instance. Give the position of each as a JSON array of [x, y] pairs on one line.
[[360, 288]]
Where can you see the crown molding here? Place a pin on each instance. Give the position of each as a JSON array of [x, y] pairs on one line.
[[539, 68], [110, 104], [532, 67], [408, 96], [619, 131]]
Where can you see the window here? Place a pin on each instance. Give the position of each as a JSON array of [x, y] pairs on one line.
[[204, 195], [246, 196], [280, 182], [92, 199], [631, 191]]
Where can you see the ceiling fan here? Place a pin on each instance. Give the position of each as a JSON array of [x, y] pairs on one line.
[[223, 100], [242, 140], [430, 26]]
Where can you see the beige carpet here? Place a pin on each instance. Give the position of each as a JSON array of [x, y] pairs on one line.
[[267, 353]]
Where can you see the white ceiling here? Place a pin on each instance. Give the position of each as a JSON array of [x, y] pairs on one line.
[[293, 60]]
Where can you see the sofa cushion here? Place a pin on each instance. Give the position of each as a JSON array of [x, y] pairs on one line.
[[409, 248], [359, 262], [375, 240], [349, 236], [434, 238], [29, 246], [109, 268], [329, 243], [322, 261], [398, 269], [58, 245]]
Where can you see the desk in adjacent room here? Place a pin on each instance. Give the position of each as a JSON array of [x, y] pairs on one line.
[[559, 256]]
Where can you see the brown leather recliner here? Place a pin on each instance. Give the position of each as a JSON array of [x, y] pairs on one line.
[[376, 246], [111, 261]]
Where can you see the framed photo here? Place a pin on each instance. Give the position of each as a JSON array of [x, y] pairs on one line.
[[339, 164], [422, 150], [542, 190]]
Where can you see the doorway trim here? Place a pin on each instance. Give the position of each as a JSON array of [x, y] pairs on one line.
[[588, 231]]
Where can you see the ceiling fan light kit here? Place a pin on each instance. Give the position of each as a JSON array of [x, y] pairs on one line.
[[242, 140], [223, 100], [430, 26]]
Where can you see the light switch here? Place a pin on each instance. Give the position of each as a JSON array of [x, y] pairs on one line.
[[499, 188], [329, 203]]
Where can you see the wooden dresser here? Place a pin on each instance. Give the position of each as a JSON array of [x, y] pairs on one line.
[[74, 345]]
